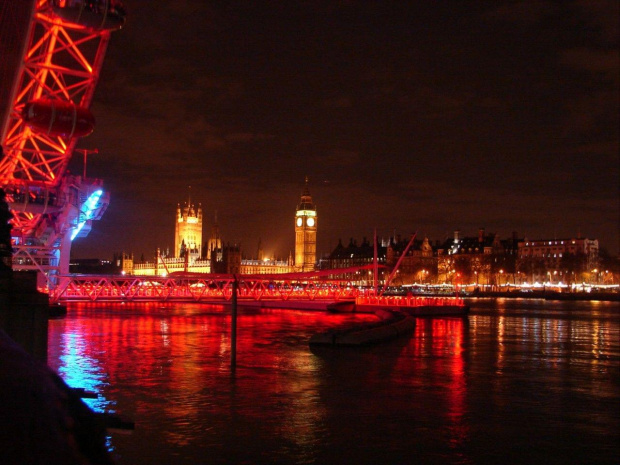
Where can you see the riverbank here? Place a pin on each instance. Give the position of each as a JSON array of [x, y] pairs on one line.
[[549, 295], [43, 419]]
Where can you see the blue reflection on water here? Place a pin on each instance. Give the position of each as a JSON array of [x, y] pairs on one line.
[[80, 369]]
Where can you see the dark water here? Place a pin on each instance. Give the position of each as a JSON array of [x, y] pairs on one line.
[[518, 381]]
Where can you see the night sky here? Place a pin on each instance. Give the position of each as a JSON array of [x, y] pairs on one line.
[[405, 116]]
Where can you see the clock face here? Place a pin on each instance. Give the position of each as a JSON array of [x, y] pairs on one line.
[[299, 221], [310, 221]]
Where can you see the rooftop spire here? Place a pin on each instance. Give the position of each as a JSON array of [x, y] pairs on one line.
[[306, 199]]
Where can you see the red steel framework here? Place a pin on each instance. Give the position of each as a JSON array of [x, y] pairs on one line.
[[52, 92], [218, 288], [212, 288], [208, 288]]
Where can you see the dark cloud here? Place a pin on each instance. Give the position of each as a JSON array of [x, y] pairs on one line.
[[346, 159], [592, 60], [528, 12], [601, 16], [405, 117]]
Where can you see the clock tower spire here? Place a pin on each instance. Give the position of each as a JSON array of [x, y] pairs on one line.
[[305, 232]]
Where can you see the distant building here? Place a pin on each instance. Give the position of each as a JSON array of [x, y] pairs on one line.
[[215, 241], [354, 255], [189, 255], [305, 232], [188, 231], [124, 262], [418, 265], [483, 260], [230, 262], [558, 260]]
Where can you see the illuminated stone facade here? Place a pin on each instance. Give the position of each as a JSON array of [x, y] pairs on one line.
[[188, 231], [559, 260], [190, 257], [482, 260], [417, 266], [214, 243], [305, 232]]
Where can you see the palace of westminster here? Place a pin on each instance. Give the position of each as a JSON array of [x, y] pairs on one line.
[[192, 256], [483, 259]]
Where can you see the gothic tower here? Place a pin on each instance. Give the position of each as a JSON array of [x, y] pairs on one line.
[[305, 232], [214, 244], [188, 231]]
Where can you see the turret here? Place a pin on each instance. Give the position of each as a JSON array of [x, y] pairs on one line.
[[188, 230]]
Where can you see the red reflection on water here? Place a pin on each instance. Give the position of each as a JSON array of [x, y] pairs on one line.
[[435, 396], [173, 359], [439, 342]]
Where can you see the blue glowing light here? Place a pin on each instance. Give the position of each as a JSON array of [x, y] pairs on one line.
[[88, 208], [79, 368]]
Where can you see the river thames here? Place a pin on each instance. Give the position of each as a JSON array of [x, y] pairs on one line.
[[517, 381]]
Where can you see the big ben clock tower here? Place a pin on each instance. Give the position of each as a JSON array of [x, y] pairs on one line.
[[305, 233]]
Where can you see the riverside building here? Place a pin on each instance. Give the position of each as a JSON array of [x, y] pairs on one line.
[[559, 260], [190, 256]]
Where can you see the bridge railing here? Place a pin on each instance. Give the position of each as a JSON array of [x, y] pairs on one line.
[[90, 288], [407, 301]]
